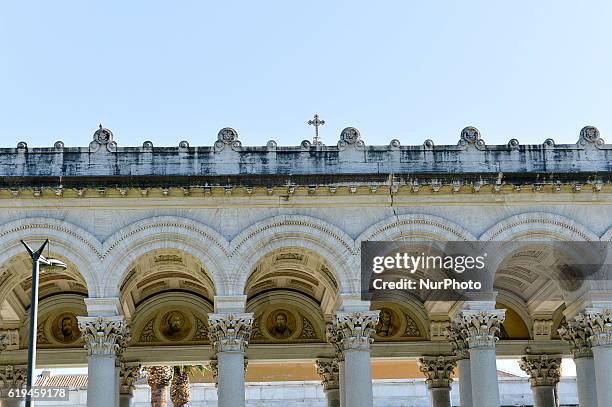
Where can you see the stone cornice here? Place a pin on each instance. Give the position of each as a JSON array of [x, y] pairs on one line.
[[469, 165]]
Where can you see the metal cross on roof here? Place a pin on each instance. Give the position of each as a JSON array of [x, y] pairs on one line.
[[316, 122]]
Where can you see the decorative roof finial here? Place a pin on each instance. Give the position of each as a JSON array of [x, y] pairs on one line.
[[316, 122]]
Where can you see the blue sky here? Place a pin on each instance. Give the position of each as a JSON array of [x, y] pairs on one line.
[[171, 71]]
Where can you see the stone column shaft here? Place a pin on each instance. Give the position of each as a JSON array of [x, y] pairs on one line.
[[341, 383], [544, 374], [104, 337], [229, 334], [351, 333], [460, 349], [479, 328]]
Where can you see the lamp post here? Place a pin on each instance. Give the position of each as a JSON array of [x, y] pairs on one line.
[[38, 260]]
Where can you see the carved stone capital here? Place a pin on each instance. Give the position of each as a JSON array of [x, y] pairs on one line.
[[230, 332], [543, 370], [329, 372], [480, 327], [129, 374], [577, 335], [599, 325], [437, 370], [104, 335], [12, 376], [455, 335], [353, 330], [159, 376]]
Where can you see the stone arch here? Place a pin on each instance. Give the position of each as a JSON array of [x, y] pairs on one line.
[[544, 224], [284, 231], [67, 240], [419, 226], [163, 232]]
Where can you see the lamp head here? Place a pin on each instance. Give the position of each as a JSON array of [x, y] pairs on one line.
[[52, 263]]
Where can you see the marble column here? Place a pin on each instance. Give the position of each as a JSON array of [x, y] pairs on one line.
[[544, 373], [438, 371], [104, 337], [352, 332], [128, 375], [12, 377], [598, 323], [577, 335], [460, 349], [328, 370], [229, 335], [479, 328]]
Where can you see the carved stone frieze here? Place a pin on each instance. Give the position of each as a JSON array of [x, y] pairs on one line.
[[543, 370], [104, 335], [230, 332], [437, 370]]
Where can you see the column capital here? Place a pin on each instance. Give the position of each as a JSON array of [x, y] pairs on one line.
[[479, 327], [353, 330], [329, 372], [129, 373], [458, 340], [213, 365], [577, 334], [104, 335], [13, 376], [437, 370], [230, 332], [599, 325], [543, 370]]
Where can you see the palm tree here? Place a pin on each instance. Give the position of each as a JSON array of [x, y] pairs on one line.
[[158, 378], [179, 388]]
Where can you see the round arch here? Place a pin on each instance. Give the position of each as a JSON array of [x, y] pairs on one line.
[[164, 232], [311, 234]]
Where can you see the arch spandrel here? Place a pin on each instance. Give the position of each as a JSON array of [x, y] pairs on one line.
[[310, 234]]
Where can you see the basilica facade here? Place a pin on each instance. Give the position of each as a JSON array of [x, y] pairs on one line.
[[247, 260]]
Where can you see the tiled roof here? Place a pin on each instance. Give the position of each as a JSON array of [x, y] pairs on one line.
[[501, 373], [73, 381]]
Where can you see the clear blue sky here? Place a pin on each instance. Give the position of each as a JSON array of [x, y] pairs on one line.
[[168, 71]]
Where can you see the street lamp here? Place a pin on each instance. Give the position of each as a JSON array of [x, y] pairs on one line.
[[38, 261]]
